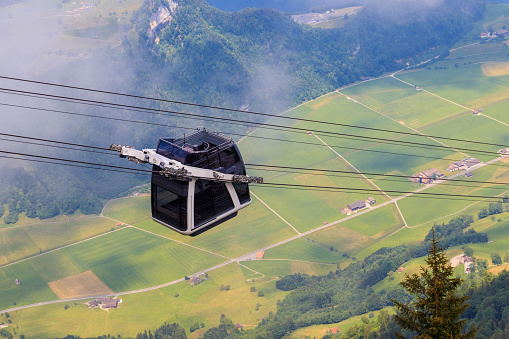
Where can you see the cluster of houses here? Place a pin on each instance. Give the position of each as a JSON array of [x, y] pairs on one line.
[[463, 164], [502, 32], [104, 303], [432, 174], [427, 176], [358, 205]]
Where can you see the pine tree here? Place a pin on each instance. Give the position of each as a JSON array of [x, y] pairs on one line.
[[437, 309]]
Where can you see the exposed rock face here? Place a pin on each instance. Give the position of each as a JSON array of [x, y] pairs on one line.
[[160, 19]]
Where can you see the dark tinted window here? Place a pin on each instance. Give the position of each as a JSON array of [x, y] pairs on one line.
[[228, 157], [169, 204], [210, 200], [214, 160], [242, 190]]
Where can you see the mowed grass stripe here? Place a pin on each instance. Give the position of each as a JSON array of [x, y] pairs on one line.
[[16, 244], [23, 242], [125, 260]]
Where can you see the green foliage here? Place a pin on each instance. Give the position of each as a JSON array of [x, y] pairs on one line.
[[489, 308], [495, 208], [483, 213], [194, 327], [496, 259], [436, 310], [452, 233], [291, 282], [468, 251], [224, 330]]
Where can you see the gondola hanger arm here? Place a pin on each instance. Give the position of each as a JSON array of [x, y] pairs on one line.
[[173, 168]]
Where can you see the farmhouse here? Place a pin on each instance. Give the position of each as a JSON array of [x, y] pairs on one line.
[[370, 201], [356, 205], [113, 303], [470, 162], [104, 303], [456, 166], [259, 255], [503, 151], [468, 174], [427, 176]]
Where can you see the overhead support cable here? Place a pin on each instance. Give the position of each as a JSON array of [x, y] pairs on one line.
[[263, 125], [245, 111]]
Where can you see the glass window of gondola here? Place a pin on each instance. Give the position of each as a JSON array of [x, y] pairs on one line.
[[213, 157], [229, 157], [242, 190], [169, 201], [210, 200]]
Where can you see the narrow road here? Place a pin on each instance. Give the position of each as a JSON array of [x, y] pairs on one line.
[[270, 208], [352, 166]]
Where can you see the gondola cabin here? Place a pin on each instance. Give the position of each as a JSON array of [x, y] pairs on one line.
[[189, 205]]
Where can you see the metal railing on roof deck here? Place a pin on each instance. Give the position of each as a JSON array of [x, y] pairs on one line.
[[184, 140]]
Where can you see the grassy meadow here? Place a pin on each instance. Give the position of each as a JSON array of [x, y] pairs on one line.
[[123, 260], [21, 242], [201, 303]]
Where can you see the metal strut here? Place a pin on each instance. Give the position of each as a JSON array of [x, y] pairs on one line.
[[173, 168]]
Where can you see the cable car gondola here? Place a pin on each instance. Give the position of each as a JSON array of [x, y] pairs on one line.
[[198, 180]]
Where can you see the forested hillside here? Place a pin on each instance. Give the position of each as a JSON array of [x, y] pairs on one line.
[[262, 58]]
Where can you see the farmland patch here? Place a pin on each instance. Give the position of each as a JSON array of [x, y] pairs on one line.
[[493, 69], [79, 285]]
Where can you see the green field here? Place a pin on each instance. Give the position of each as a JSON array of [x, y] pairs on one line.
[[354, 235], [129, 210], [280, 268], [303, 250], [201, 303], [125, 260], [21, 242], [318, 331]]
